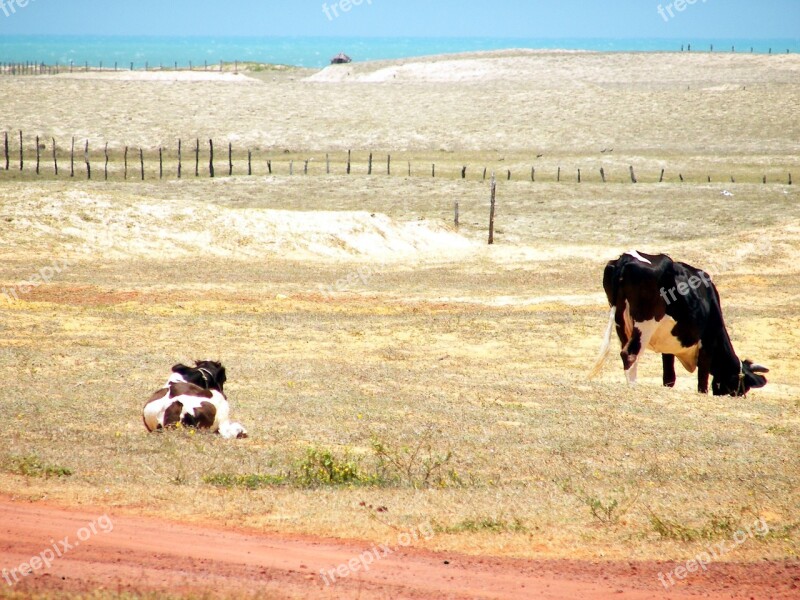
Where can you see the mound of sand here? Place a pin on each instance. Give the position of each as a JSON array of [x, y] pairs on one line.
[[76, 224]]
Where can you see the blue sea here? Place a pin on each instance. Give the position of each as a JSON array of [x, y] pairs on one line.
[[317, 51]]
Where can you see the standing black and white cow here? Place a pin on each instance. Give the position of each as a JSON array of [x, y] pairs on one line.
[[193, 397], [674, 309]]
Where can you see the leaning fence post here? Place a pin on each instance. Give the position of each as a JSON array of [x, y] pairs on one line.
[[633, 176], [491, 210], [661, 177], [602, 174], [86, 160]]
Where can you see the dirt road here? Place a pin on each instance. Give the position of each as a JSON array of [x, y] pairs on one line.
[[101, 549]]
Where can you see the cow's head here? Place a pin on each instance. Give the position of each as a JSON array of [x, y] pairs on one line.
[[207, 374], [738, 384]]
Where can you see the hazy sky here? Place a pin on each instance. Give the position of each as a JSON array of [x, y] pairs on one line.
[[487, 18]]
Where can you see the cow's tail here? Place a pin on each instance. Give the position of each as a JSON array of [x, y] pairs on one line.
[[605, 348]]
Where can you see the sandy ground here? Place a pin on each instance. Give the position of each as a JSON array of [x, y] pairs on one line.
[[129, 554]]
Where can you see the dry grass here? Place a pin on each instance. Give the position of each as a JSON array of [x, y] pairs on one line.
[[481, 351]]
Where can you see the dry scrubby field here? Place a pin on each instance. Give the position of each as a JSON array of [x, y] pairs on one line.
[[446, 381]]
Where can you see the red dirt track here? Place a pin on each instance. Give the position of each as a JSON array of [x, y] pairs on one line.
[[140, 554]]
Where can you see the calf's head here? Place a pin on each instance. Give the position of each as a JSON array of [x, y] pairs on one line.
[[207, 374]]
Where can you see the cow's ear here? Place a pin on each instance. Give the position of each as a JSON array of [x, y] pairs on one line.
[[180, 368], [756, 368]]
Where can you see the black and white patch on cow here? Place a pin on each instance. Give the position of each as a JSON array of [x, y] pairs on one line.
[[193, 397], [674, 309]]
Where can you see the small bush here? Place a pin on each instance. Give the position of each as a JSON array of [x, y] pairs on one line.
[[32, 466]]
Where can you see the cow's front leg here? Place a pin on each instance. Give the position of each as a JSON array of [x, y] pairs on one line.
[[703, 371], [668, 361]]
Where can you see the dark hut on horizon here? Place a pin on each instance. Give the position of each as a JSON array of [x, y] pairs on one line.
[[341, 59]]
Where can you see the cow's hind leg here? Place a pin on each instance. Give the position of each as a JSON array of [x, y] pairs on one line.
[[668, 360]]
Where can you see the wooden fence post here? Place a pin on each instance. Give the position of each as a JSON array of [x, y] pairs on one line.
[[633, 176], [579, 175], [389, 164], [558, 175], [602, 175], [456, 216], [463, 172], [661, 177], [37, 154], [291, 167], [230, 159], [180, 159], [533, 174], [197, 157], [509, 174], [305, 167], [141, 161], [21, 157], [327, 164], [105, 166], [680, 176], [790, 179], [211, 158], [125, 159], [5, 147], [160, 163], [86, 160], [72, 158], [269, 166], [55, 158], [409, 168], [484, 173], [249, 162], [369, 167], [348, 161], [491, 210], [433, 170]]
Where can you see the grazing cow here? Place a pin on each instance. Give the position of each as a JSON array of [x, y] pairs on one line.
[[193, 397], [674, 309]]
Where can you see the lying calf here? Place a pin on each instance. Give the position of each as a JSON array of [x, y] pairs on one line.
[[193, 397]]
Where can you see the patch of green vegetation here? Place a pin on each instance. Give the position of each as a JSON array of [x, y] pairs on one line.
[[418, 466], [251, 482], [717, 526], [485, 524], [32, 466]]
